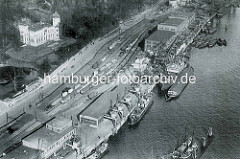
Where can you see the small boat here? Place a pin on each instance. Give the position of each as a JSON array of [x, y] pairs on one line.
[[219, 42], [226, 27], [145, 102], [177, 88], [219, 15], [203, 45], [198, 44], [224, 42], [191, 148], [212, 43], [3, 81], [212, 30], [99, 152]]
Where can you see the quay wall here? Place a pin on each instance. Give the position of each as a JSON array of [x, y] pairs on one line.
[[197, 33]]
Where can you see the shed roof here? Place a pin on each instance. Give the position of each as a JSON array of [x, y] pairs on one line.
[[173, 22], [161, 35], [43, 137], [59, 122], [3, 107], [101, 106]]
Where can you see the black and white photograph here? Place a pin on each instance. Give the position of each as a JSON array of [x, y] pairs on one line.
[[119, 79]]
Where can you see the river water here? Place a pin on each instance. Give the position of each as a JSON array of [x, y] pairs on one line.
[[214, 100]]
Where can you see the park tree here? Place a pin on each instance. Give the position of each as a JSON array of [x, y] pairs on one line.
[[45, 66]]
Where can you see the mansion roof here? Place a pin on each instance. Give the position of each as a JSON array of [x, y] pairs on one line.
[[38, 26]]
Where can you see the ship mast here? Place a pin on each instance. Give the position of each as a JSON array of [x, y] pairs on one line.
[[185, 137], [193, 134]]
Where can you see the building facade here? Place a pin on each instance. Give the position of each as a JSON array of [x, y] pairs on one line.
[[39, 33], [159, 37], [174, 24], [51, 138], [167, 31], [174, 3]]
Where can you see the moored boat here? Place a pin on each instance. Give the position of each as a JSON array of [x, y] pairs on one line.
[[145, 103], [219, 15], [212, 43], [192, 148], [99, 152], [212, 30], [178, 86], [219, 42], [203, 45], [199, 43], [224, 42]]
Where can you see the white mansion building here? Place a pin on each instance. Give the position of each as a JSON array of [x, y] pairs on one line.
[[39, 33]]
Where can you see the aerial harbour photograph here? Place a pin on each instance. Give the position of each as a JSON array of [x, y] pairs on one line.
[[119, 79]]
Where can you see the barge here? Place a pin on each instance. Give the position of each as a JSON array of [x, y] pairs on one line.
[[145, 103], [212, 43], [177, 88], [99, 152]]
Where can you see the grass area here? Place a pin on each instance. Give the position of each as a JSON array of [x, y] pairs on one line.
[[7, 61], [31, 54]]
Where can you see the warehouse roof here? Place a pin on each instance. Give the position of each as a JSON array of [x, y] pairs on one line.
[[101, 106], [173, 22], [43, 138], [161, 35]]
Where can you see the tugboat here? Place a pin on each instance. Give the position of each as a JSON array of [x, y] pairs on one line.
[[226, 27], [224, 42], [192, 148], [203, 45], [146, 101], [199, 43], [177, 88], [219, 42], [212, 30], [219, 15], [99, 152], [212, 43]]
